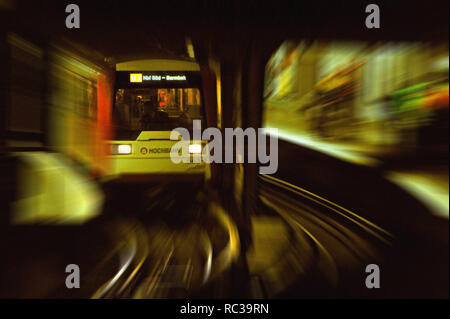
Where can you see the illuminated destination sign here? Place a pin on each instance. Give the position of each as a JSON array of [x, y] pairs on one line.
[[176, 77], [139, 77], [135, 77], [160, 79]]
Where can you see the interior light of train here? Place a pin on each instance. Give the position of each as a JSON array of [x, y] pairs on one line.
[[135, 77], [195, 148]]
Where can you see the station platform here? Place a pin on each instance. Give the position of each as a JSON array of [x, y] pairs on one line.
[[427, 181]]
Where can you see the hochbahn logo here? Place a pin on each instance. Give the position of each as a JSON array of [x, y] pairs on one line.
[[255, 140], [145, 150]]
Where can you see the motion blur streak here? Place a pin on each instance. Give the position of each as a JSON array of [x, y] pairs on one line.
[[125, 263], [104, 99], [338, 240], [51, 192], [378, 104], [302, 192]]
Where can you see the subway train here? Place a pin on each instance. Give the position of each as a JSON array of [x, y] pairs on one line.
[[151, 99]]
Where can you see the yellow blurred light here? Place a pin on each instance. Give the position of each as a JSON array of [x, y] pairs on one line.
[[135, 77], [190, 48], [219, 102], [124, 149], [195, 148]]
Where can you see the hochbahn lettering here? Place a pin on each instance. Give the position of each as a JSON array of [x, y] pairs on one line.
[[159, 150]]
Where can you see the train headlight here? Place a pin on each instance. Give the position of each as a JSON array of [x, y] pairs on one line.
[[195, 148], [120, 149]]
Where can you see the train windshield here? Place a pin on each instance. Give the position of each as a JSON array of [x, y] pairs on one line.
[[154, 109]]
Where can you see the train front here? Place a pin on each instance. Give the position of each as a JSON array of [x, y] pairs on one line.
[[153, 118]]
